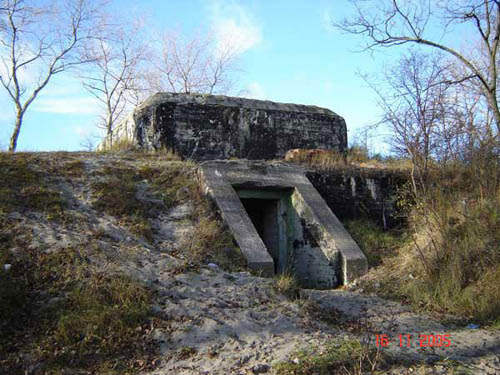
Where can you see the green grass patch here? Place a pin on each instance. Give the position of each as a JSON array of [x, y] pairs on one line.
[[175, 182], [22, 187], [101, 315], [116, 194], [70, 315], [73, 168], [458, 262], [348, 357], [375, 242]]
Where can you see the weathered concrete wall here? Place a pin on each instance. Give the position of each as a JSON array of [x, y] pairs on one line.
[[361, 192], [208, 127], [318, 248], [295, 242], [316, 260]]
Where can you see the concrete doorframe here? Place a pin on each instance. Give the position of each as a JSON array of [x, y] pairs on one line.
[[324, 253]]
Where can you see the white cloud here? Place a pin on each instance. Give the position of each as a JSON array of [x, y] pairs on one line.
[[255, 90], [75, 105], [328, 85], [327, 20], [234, 26], [82, 131]]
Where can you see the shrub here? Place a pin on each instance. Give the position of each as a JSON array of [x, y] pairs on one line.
[[461, 257], [287, 285]]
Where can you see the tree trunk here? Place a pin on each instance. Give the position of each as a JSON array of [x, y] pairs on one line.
[[15, 133], [494, 108], [109, 130]]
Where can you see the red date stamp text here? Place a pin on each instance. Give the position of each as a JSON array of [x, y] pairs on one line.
[[407, 340]]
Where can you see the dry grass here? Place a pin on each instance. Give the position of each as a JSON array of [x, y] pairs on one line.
[[128, 148], [344, 358], [23, 187], [211, 242], [68, 314], [460, 259], [450, 263], [116, 193], [175, 182], [57, 306], [355, 157], [287, 285], [121, 145], [375, 242]]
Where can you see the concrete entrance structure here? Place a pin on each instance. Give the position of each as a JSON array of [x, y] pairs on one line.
[[281, 223]]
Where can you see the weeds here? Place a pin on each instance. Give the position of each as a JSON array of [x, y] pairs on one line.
[[450, 263], [376, 243], [211, 243], [129, 147], [116, 195], [348, 357], [77, 316], [23, 187], [175, 183], [286, 284], [459, 261], [120, 145], [354, 157], [73, 168], [101, 314]]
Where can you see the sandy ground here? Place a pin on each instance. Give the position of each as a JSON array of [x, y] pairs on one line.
[[222, 323]]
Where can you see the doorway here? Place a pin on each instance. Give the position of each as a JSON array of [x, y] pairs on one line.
[[269, 211]]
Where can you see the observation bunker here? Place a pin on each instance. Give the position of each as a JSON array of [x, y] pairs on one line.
[[281, 223]]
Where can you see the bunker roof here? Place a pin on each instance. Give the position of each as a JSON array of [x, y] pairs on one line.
[[231, 101]]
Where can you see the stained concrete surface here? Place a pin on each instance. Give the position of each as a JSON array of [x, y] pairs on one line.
[[310, 242]]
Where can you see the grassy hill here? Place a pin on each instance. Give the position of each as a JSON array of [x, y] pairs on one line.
[[114, 263]]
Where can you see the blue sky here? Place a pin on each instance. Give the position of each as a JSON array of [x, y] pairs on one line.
[[290, 54]]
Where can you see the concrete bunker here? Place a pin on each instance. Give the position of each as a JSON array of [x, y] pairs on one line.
[[281, 223], [211, 127]]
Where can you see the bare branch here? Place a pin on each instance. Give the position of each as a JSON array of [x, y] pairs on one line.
[[388, 23], [40, 41], [198, 64], [117, 56]]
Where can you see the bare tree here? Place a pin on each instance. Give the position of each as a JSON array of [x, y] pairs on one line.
[[113, 75], [194, 65], [416, 107], [388, 23], [40, 39], [88, 142]]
